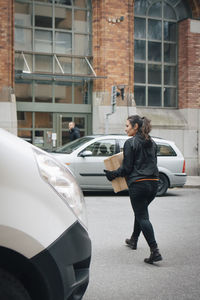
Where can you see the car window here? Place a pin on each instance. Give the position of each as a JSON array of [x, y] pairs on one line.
[[165, 150], [102, 148], [70, 147]]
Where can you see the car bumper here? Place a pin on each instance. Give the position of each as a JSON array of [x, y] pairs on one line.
[[64, 265], [179, 179]]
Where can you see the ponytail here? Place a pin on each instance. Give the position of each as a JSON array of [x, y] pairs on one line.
[[144, 125]]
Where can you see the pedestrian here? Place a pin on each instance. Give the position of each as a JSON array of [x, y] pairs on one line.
[[139, 167], [74, 132]]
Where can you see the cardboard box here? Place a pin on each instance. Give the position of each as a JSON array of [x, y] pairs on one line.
[[112, 163]]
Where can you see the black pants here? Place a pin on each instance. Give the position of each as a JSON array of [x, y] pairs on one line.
[[142, 194]]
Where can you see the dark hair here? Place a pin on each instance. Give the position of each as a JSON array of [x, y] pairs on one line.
[[144, 125]]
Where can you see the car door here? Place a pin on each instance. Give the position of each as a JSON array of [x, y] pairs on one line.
[[89, 169]]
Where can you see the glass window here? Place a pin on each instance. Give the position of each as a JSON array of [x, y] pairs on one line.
[[140, 28], [169, 53], [169, 97], [23, 14], [139, 49], [80, 20], [140, 7], [23, 39], [24, 119], [102, 148], [154, 30], [78, 93], [169, 13], [43, 92], [155, 10], [81, 66], [63, 43], [43, 63], [23, 62], [80, 3], [170, 31], [170, 75], [63, 64], [43, 120], [154, 74], [43, 41], [26, 135], [63, 93], [154, 96], [63, 18], [154, 51], [165, 150], [23, 92], [81, 44], [139, 73], [140, 95], [43, 16]]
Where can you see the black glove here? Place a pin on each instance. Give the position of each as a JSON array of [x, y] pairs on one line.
[[110, 175]]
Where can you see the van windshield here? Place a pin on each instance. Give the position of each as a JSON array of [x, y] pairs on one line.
[[70, 147]]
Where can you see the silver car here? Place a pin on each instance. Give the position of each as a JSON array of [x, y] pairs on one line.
[[85, 157]]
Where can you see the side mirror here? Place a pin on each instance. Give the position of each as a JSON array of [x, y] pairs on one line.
[[85, 153]]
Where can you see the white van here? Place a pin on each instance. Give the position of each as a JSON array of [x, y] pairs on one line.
[[45, 249]]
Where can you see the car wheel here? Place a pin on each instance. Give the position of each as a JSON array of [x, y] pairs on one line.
[[163, 185], [11, 288]]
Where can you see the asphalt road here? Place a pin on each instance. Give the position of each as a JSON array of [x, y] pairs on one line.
[[119, 273]]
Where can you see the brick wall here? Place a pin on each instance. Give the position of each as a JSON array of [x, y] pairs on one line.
[[113, 43], [6, 49], [189, 66]]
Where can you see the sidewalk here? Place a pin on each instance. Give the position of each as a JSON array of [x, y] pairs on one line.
[[192, 182]]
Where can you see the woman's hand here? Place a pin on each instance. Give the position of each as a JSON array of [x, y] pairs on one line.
[[110, 175]]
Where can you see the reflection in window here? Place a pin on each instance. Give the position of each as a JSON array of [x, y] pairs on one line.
[[63, 64], [81, 44], [139, 95], [23, 13], [154, 96], [23, 92], [43, 63], [24, 119], [155, 10], [23, 39], [43, 92], [81, 66], [63, 93], [169, 53], [139, 71], [80, 20], [154, 74], [140, 28], [63, 18], [63, 43], [169, 97], [154, 51], [43, 41], [43, 16], [139, 50], [43, 120], [169, 75], [154, 30]]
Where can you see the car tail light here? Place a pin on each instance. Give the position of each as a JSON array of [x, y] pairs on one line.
[[183, 171]]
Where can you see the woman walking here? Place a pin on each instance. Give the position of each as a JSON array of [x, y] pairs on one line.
[[139, 167]]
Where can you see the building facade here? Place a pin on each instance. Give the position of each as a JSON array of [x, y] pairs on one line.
[[96, 62]]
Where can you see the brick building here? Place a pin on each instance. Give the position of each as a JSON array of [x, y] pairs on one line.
[[61, 58]]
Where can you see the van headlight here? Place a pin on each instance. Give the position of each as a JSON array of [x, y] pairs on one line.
[[63, 182]]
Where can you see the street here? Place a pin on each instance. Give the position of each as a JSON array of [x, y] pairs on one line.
[[119, 273]]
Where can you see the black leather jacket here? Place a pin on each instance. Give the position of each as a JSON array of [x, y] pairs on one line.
[[74, 133], [140, 160]]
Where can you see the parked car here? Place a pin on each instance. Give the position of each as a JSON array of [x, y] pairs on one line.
[[45, 249], [85, 157]]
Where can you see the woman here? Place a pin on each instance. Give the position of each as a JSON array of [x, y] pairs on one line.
[[139, 167]]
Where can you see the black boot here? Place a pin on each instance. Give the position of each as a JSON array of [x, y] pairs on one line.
[[132, 243], [154, 256]]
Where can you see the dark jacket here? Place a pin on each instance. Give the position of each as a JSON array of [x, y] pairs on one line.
[[140, 159], [74, 133]]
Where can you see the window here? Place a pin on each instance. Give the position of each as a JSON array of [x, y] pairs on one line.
[[102, 148], [165, 150], [155, 51]]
